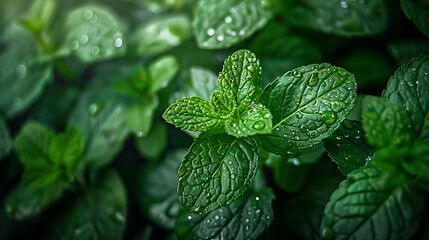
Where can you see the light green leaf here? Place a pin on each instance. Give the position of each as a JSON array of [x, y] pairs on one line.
[[195, 114], [417, 14], [347, 147], [28, 200], [40, 15], [100, 114], [256, 120], [93, 33], [201, 83], [216, 171], [240, 78], [158, 189], [409, 87], [245, 218], [23, 75], [363, 207], [161, 34], [385, 123], [162, 72], [101, 213], [140, 116], [340, 17], [307, 105], [5, 141], [224, 23], [153, 145]]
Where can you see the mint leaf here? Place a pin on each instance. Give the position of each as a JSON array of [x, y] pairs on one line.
[[160, 34], [409, 87], [162, 72], [347, 147], [5, 141], [93, 33], [100, 213], [23, 74], [153, 144], [140, 116], [200, 82], [239, 79], [158, 186], [256, 120], [343, 18], [364, 207], [245, 218], [67, 148], [40, 15], [195, 114], [418, 15], [417, 163], [307, 105], [216, 171], [404, 50], [385, 123], [222, 24]]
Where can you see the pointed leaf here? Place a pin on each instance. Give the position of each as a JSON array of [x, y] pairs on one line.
[[67, 148], [256, 120], [216, 171], [409, 87], [363, 207], [307, 105], [347, 147], [245, 218], [240, 78], [386, 124], [224, 23], [140, 116]]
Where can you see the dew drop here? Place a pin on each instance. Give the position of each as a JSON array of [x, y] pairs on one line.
[[228, 19], [251, 68], [118, 42], [21, 71], [189, 217], [313, 79], [210, 32], [258, 125], [232, 176], [216, 217], [84, 39], [74, 45], [344, 4], [220, 38], [297, 73], [343, 72], [95, 50], [139, 134], [329, 117], [95, 108], [206, 185]]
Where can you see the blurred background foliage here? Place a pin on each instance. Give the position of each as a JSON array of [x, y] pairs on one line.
[[110, 68]]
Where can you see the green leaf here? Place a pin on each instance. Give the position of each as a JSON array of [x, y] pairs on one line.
[[195, 114], [385, 123], [161, 34], [240, 78], [216, 171], [409, 87], [417, 163], [154, 144], [256, 120], [307, 105], [100, 114], [417, 14], [404, 50], [363, 207], [201, 83], [140, 116], [245, 218], [344, 18], [162, 72], [158, 187], [347, 147], [5, 141], [40, 15], [93, 33], [100, 214], [23, 75], [67, 148], [222, 24], [28, 200]]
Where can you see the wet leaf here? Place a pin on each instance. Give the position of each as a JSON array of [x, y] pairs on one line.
[[154, 144]]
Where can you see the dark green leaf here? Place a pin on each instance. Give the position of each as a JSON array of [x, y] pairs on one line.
[[347, 147], [5, 141], [224, 23], [245, 218], [416, 14], [409, 87], [385, 123], [195, 114], [288, 174], [216, 171], [67, 148], [153, 145], [417, 163], [256, 120], [161, 34], [404, 50], [100, 214], [158, 189], [364, 207], [307, 105], [93, 33], [140, 116], [340, 17], [240, 78], [23, 75]]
